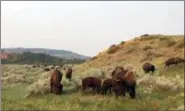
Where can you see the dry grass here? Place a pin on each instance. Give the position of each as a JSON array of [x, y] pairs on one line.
[[173, 84], [150, 55], [39, 87], [146, 47], [113, 49], [180, 45]]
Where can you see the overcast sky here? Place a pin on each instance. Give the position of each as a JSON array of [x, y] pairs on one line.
[[86, 27]]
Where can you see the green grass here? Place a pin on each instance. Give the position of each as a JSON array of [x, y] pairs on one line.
[[71, 99], [12, 99]]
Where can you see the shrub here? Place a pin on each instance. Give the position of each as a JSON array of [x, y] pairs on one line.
[[170, 43], [173, 84], [150, 55], [113, 49], [145, 48], [94, 72], [40, 87], [93, 58], [145, 35], [180, 45], [129, 50], [14, 78], [123, 42]]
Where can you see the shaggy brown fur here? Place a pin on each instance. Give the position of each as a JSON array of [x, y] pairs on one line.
[[174, 60], [93, 82], [55, 80], [147, 67]]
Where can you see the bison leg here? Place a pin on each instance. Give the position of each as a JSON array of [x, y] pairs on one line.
[[132, 92], [109, 90]]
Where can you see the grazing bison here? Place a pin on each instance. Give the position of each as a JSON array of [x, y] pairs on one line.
[[125, 82], [69, 73], [174, 60], [55, 80], [46, 69], [147, 67], [107, 86], [34, 66], [92, 82]]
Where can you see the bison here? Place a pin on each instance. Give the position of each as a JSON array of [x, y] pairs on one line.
[[46, 69], [174, 60], [107, 85], [69, 73], [92, 82], [55, 80], [125, 81], [34, 66], [147, 67]]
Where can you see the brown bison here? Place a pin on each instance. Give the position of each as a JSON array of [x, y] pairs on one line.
[[92, 82], [55, 80], [174, 60], [69, 73], [107, 85], [46, 69], [53, 67], [125, 81], [147, 67], [34, 66]]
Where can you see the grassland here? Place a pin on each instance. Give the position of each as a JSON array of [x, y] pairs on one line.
[[28, 89]]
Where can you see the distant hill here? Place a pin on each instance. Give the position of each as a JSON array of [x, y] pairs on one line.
[[38, 58], [58, 53]]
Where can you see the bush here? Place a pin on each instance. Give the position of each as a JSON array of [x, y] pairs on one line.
[[123, 42], [14, 78], [170, 43], [145, 48], [93, 58], [150, 55], [180, 45], [39, 87], [145, 35], [94, 72], [113, 49], [173, 84], [129, 50]]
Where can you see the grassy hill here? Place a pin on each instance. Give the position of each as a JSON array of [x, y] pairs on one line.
[[152, 48], [59, 53], [24, 88]]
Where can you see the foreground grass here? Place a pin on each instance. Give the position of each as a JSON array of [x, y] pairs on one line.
[[13, 95], [12, 99]]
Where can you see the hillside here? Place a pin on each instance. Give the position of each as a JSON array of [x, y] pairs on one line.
[[59, 53], [152, 48]]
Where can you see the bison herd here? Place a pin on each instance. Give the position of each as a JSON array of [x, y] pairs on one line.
[[122, 80]]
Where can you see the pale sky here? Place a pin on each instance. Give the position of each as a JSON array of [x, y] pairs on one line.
[[86, 27]]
